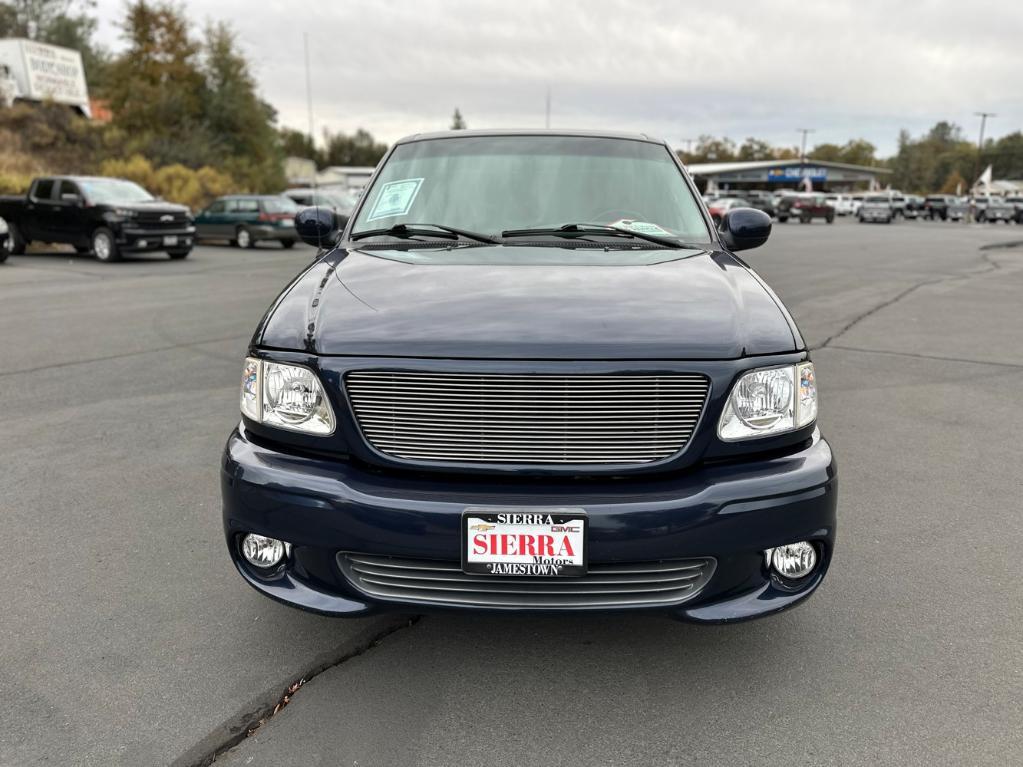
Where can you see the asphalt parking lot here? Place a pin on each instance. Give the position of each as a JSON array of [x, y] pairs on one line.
[[129, 639]]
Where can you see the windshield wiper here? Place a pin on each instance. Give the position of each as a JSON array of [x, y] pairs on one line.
[[579, 230], [407, 231]]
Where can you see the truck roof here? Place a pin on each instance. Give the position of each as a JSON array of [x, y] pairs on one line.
[[529, 132]]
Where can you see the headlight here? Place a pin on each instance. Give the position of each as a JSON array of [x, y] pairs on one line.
[[770, 401], [285, 396]]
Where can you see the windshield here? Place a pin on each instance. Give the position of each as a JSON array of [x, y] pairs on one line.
[[113, 191], [490, 184]]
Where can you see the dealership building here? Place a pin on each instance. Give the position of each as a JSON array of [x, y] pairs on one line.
[[787, 174]]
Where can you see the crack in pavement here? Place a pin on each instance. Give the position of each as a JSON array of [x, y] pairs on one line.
[[124, 355], [935, 357], [264, 707], [991, 266]]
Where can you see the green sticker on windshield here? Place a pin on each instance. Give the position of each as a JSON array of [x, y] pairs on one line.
[[643, 227], [395, 198]]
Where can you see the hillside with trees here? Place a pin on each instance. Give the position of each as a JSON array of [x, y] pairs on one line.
[[188, 120]]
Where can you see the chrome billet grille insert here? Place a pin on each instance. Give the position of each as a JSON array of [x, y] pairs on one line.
[[633, 584], [527, 419]]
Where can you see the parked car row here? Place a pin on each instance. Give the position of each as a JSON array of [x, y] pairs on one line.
[[948, 207], [874, 207], [803, 206], [111, 217], [103, 216]]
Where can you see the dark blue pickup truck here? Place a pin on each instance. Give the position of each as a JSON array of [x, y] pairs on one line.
[[106, 217], [529, 374]]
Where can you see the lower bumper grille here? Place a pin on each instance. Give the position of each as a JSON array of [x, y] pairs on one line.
[[635, 584]]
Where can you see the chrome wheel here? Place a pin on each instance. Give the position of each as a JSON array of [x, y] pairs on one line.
[[243, 238], [102, 246]]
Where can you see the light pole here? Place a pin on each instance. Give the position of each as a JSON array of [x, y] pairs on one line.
[[689, 146], [802, 143]]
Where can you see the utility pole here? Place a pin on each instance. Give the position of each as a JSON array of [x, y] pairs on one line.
[[802, 143], [980, 144], [689, 145], [547, 114], [308, 86], [309, 102], [983, 121]]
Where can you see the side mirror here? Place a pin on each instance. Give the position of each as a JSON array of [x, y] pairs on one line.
[[745, 228], [319, 227]]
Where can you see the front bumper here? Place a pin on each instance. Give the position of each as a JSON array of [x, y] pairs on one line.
[[729, 511], [140, 240]]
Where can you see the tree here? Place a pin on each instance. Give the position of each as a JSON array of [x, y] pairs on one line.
[[238, 122], [755, 149], [457, 121], [954, 184], [359, 149], [156, 87], [711, 149], [927, 163], [854, 152], [296, 143], [1005, 155]]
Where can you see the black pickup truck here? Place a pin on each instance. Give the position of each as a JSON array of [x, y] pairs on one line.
[[103, 216]]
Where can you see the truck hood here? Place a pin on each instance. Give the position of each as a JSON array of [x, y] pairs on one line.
[[529, 303]]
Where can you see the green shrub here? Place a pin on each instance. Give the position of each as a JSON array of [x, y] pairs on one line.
[[176, 183], [14, 183]]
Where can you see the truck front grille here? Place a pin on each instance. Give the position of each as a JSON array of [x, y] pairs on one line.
[[151, 220], [473, 418], [633, 584]]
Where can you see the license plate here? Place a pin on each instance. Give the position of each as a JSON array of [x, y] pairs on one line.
[[287, 222], [170, 239], [516, 541]]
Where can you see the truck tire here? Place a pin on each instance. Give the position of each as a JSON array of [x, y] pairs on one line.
[[243, 238], [16, 244], [104, 246], [287, 244], [830, 218], [3, 253], [177, 255], [782, 219], [804, 219]]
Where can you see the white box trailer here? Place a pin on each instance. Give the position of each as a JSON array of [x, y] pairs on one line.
[[32, 71]]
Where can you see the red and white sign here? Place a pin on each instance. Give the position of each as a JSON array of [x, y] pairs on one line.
[[525, 543]]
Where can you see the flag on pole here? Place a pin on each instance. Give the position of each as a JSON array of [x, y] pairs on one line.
[[984, 182]]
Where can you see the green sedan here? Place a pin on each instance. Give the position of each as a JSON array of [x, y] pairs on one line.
[[244, 220]]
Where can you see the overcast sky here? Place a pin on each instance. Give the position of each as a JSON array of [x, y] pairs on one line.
[[860, 69]]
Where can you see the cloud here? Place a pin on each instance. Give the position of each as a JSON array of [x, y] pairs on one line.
[[673, 69]]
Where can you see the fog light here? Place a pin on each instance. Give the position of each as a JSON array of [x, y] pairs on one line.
[[261, 551], [794, 560]]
